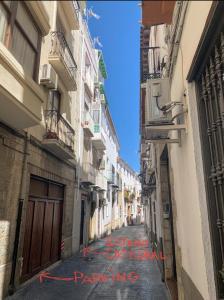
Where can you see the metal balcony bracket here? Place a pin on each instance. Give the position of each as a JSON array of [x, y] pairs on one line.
[[158, 128], [166, 127], [85, 187]]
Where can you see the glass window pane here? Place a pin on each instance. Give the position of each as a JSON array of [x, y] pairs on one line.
[[54, 100], [25, 21], [23, 51], [3, 23]]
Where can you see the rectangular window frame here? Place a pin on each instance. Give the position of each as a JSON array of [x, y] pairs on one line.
[[12, 22]]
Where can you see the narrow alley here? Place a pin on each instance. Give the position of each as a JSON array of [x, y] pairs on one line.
[[111, 150], [144, 284]]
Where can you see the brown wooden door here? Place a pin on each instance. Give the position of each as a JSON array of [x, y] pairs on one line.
[[42, 238]]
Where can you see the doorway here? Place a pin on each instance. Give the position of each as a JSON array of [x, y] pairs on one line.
[[42, 238]]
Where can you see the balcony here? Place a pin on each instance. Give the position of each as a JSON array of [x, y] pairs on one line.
[[60, 136], [88, 124], [88, 174], [21, 98], [99, 141], [119, 182], [112, 179], [127, 196], [151, 68], [39, 11], [71, 10], [101, 181], [62, 60], [89, 84], [157, 12]]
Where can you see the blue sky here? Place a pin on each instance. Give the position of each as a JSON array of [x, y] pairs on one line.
[[118, 31]]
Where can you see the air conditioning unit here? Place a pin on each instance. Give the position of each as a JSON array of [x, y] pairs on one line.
[[48, 76], [159, 89], [157, 95]]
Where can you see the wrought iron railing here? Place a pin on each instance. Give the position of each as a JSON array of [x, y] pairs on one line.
[[76, 8], [60, 47], [151, 76], [150, 55], [58, 128], [111, 177]]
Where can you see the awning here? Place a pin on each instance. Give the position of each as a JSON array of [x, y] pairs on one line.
[[157, 12]]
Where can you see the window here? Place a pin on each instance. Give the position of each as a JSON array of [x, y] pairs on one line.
[[20, 35], [54, 100]]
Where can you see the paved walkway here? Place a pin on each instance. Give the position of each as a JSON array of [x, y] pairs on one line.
[[147, 287]]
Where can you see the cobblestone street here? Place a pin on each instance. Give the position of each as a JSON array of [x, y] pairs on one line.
[[148, 286]]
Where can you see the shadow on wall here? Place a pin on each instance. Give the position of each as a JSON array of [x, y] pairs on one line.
[[12, 151]]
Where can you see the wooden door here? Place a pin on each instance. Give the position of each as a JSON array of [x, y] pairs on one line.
[[42, 237]]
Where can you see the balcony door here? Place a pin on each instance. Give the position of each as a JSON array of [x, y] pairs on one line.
[[55, 100], [52, 114], [43, 227]]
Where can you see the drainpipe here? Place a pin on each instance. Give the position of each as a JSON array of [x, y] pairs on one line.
[[22, 195]]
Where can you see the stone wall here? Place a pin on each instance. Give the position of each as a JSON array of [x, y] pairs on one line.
[[40, 163], [11, 161]]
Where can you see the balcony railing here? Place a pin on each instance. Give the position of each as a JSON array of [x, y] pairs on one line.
[[97, 130], [58, 128], [111, 177], [60, 47], [127, 196], [88, 123], [150, 59], [76, 8], [151, 75]]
